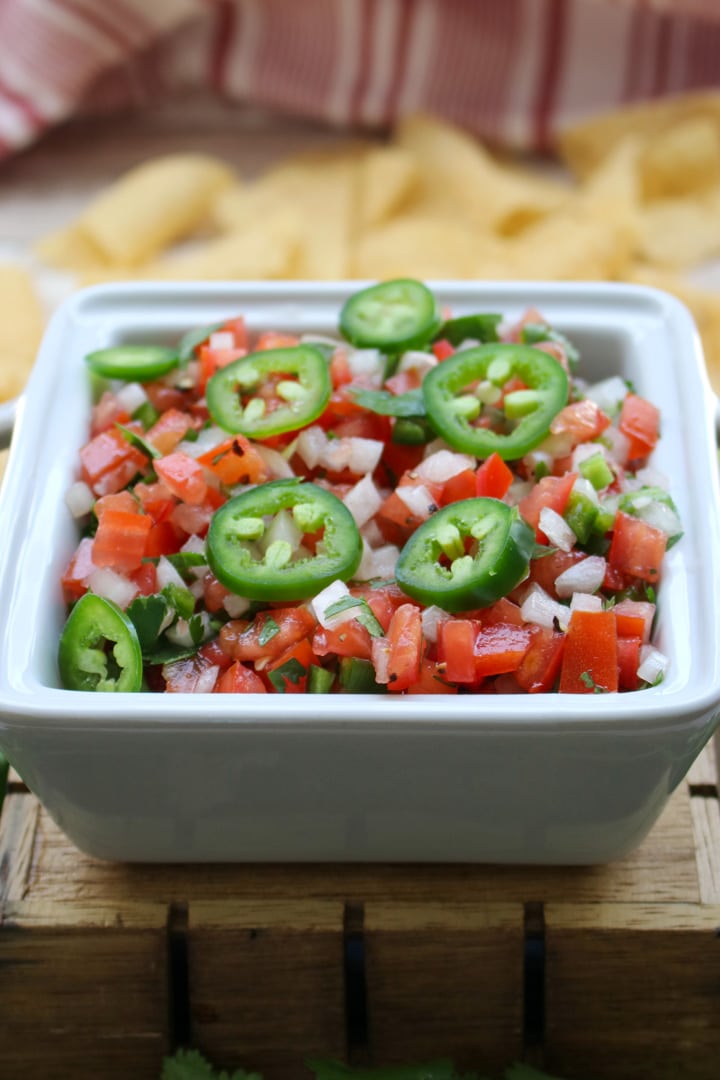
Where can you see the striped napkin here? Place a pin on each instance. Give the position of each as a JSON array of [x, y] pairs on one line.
[[512, 71]]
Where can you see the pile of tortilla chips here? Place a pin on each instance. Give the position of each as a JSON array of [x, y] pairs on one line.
[[637, 199]]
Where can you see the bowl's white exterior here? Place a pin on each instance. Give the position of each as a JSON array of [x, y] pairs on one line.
[[516, 778]]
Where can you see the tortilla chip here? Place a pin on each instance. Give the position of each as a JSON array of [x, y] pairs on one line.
[[22, 321], [388, 176], [70, 249], [683, 160], [412, 246], [680, 233], [574, 244], [154, 205]]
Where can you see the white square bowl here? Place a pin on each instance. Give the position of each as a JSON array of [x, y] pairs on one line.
[[507, 778]]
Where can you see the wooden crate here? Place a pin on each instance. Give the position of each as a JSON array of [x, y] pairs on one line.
[[590, 972]]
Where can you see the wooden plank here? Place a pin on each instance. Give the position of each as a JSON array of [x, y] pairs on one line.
[[706, 824], [266, 984], [704, 770], [445, 980], [632, 990]]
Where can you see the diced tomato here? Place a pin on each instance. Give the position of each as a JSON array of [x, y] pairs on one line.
[[163, 539], [499, 647], [109, 462], [239, 679], [349, 639], [456, 645], [259, 639], [405, 641], [637, 548], [121, 539], [121, 500], [238, 328], [539, 668], [168, 430], [298, 658], [590, 659], [163, 397], [443, 349], [74, 580], [383, 602], [628, 654], [640, 423], [546, 569], [493, 478], [271, 339], [460, 486], [145, 577], [502, 611], [212, 360], [236, 461], [340, 370], [213, 652], [397, 459], [634, 618], [106, 412], [214, 592], [396, 520], [582, 420], [552, 492], [364, 426], [402, 381], [432, 679], [183, 476], [156, 499]]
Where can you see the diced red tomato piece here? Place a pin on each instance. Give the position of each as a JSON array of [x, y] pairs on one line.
[[239, 679], [121, 539], [628, 653], [396, 520], [539, 668], [460, 486], [212, 360], [121, 500], [404, 639], [590, 660], [402, 381], [163, 539], [106, 412], [432, 679], [552, 492], [295, 682], [145, 577], [236, 461], [493, 478], [640, 423], [340, 370], [443, 349], [258, 640], [634, 618], [81, 565], [499, 648], [213, 652], [397, 459], [456, 645], [271, 339], [168, 430], [546, 569], [109, 462], [364, 426], [582, 420], [183, 476], [214, 592], [637, 548], [349, 639], [502, 611], [156, 499], [383, 602]]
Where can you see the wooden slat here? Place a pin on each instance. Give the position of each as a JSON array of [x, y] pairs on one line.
[[266, 984], [632, 990], [445, 980], [704, 770]]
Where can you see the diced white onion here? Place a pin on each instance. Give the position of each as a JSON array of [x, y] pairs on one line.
[[538, 458], [332, 594], [131, 396], [236, 605], [279, 467], [197, 587], [370, 531], [556, 529], [540, 608], [222, 339], [206, 680], [366, 362], [310, 445], [653, 664], [584, 451], [363, 500], [377, 562], [584, 577], [431, 618], [582, 486], [207, 440], [582, 601], [417, 360], [618, 445], [355, 453], [443, 465], [517, 491], [79, 499], [660, 516], [608, 394], [167, 574], [179, 632], [418, 499], [652, 477], [196, 546], [112, 586]]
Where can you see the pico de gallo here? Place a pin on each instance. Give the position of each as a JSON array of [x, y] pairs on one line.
[[418, 504]]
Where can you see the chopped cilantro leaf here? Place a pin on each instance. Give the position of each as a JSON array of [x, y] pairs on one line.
[[268, 631], [291, 671]]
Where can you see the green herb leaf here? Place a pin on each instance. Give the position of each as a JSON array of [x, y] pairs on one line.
[[481, 327], [587, 680], [191, 1065], [532, 333], [138, 442], [268, 630], [197, 629], [291, 671], [191, 339], [364, 615], [182, 600], [147, 614]]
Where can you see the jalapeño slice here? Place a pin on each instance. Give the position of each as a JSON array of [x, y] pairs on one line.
[[134, 363], [267, 393], [99, 648], [236, 555], [454, 404], [467, 555], [392, 316]]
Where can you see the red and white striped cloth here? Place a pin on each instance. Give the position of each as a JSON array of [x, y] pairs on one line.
[[512, 71]]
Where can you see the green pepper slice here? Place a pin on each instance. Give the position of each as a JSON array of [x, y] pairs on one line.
[[99, 648], [392, 316], [453, 404], [133, 363], [479, 327], [467, 555], [234, 542], [301, 391]]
